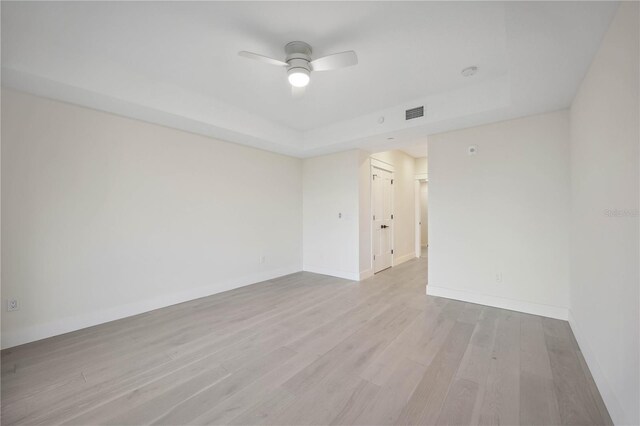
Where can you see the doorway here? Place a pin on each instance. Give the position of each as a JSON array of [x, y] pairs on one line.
[[382, 220]]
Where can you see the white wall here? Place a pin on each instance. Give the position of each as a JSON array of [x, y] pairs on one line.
[[502, 211], [105, 217], [604, 255], [331, 190], [404, 216]]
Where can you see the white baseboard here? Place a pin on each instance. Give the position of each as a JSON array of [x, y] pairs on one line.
[[66, 325], [616, 411], [366, 274], [354, 276], [549, 311], [398, 260]]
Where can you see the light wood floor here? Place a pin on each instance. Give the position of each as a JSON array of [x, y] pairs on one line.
[[308, 349]]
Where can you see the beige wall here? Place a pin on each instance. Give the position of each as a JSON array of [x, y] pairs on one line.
[[604, 251], [104, 216], [364, 193], [421, 166], [498, 220], [331, 214]]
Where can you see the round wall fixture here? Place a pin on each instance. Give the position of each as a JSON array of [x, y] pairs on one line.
[[469, 71]]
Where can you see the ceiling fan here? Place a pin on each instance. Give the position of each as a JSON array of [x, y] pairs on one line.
[[299, 63]]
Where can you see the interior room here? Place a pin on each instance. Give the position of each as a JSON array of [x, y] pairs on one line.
[[315, 213]]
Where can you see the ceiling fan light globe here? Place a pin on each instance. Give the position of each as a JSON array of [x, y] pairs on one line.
[[298, 77]]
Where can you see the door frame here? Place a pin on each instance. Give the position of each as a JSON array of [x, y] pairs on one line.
[[378, 164]]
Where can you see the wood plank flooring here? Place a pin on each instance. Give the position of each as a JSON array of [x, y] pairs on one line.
[[308, 349]]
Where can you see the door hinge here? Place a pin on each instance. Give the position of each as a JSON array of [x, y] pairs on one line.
[[391, 216], [374, 257], [391, 181], [374, 217], [391, 251]]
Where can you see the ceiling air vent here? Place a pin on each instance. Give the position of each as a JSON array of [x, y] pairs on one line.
[[414, 113]]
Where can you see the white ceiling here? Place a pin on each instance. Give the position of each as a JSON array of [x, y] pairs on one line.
[[176, 63]]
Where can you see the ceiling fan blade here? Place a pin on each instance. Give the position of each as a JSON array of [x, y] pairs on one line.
[[335, 61], [262, 58], [298, 92]]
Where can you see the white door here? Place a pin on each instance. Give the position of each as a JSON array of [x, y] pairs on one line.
[[381, 194]]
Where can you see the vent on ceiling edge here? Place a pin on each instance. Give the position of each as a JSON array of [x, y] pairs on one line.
[[414, 113]]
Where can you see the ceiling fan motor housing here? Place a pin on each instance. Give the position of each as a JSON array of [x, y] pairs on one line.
[[298, 55]]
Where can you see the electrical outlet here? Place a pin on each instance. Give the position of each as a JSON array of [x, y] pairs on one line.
[[12, 305]]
